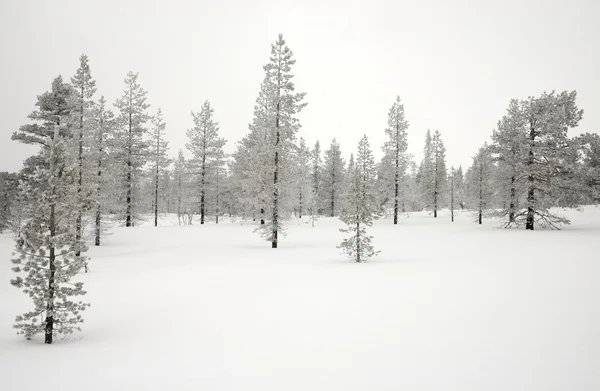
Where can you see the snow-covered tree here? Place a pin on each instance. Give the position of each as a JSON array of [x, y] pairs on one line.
[[433, 171], [361, 206], [84, 88], [332, 179], [104, 127], [284, 106], [206, 147], [182, 189], [479, 182], [130, 142], [395, 149], [509, 149], [46, 248], [549, 152], [303, 179], [161, 161]]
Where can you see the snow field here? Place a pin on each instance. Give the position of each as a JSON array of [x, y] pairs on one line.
[[443, 307]]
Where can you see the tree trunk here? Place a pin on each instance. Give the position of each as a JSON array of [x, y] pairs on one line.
[[99, 191], [357, 239], [128, 219], [49, 327], [396, 178], [333, 193], [275, 183], [78, 222], [479, 217], [531, 180]]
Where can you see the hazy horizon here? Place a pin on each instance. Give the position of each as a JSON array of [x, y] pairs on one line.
[[455, 66]]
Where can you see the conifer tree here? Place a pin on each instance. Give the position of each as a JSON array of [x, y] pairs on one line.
[[509, 150], [548, 119], [433, 170], [303, 178], [132, 147], [395, 148], [161, 160], [206, 147], [285, 104], [84, 88], [479, 179], [333, 178], [47, 246], [104, 124], [360, 205]]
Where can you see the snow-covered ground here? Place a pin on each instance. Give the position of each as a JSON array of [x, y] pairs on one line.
[[443, 307]]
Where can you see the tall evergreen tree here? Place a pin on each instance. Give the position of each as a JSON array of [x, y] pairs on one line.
[[130, 139], [84, 88], [548, 119], [47, 246], [333, 178], [285, 105], [396, 147], [161, 160], [361, 206], [479, 180], [433, 171], [303, 178], [206, 146], [509, 149], [104, 124]]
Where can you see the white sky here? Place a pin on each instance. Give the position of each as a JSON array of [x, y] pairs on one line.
[[455, 64]]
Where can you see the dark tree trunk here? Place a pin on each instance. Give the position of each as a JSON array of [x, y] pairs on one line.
[[511, 210], [396, 178], [99, 191], [275, 183], [479, 217], [128, 219], [78, 222], [452, 197], [300, 209], [531, 180], [357, 240], [333, 192]]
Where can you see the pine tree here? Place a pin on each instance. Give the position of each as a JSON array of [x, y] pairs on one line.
[[333, 178], [285, 105], [84, 89], [303, 178], [360, 205], [433, 171], [548, 119], [47, 247], [182, 186], [452, 189], [206, 146], [479, 181], [54, 108], [104, 124], [396, 147], [509, 149], [161, 161], [130, 140]]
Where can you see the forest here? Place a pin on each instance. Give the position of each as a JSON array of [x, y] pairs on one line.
[[102, 165]]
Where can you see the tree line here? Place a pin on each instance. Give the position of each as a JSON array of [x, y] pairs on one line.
[[97, 166]]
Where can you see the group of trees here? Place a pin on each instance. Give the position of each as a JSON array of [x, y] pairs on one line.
[[97, 166]]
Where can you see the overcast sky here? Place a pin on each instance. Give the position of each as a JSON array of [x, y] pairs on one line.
[[455, 64]]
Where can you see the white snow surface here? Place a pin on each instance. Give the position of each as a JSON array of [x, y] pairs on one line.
[[445, 306]]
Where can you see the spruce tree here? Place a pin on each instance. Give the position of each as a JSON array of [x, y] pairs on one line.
[[132, 147], [360, 205], [303, 178], [48, 250], [206, 147], [332, 179], [433, 171], [161, 161], [395, 148]]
